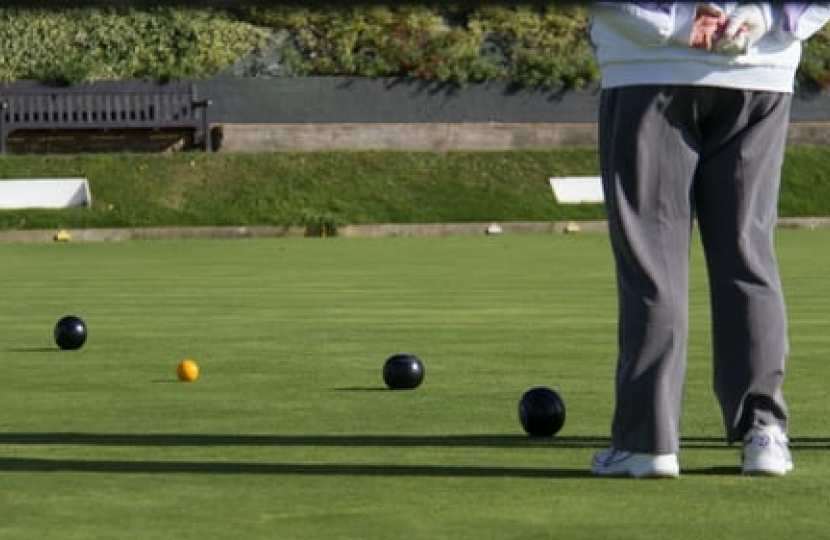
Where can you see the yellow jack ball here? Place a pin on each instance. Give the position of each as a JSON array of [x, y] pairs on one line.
[[187, 371]]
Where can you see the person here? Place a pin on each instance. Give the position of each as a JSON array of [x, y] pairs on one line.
[[693, 113]]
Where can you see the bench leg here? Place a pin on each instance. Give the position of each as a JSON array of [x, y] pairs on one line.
[[208, 138]]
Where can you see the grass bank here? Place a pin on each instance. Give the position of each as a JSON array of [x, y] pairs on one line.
[[285, 188]]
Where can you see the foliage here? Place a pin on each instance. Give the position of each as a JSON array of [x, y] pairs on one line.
[[93, 44], [814, 70], [529, 43], [547, 47], [532, 45]]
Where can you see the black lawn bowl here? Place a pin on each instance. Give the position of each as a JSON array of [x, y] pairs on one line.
[[403, 372], [70, 332], [541, 412]]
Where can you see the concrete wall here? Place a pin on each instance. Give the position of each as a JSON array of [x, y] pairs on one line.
[[337, 113], [334, 113], [339, 100], [439, 137], [394, 136]]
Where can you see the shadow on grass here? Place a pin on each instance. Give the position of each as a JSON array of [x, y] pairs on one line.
[[179, 439], [363, 389], [403, 441], [21, 464], [395, 440], [26, 464], [712, 471]]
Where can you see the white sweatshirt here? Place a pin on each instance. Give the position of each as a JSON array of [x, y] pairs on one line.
[[648, 43]]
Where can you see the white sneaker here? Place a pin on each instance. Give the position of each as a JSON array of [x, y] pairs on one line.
[[765, 452], [613, 462]]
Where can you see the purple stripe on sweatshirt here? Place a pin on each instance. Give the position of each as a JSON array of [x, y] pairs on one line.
[[791, 13], [665, 7]]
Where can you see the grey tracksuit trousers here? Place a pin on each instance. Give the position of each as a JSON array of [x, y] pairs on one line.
[[671, 155]]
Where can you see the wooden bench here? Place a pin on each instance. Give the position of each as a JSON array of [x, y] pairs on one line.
[[127, 105]]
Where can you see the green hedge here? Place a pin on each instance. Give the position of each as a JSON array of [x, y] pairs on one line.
[[84, 45], [525, 44], [533, 44]]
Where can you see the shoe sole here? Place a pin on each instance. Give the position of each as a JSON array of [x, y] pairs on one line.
[[663, 467], [766, 467], [635, 474], [766, 470]]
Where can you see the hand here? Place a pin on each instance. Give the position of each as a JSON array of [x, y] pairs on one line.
[[710, 22], [745, 26]]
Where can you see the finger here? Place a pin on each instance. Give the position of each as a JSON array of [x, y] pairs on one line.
[[736, 27]]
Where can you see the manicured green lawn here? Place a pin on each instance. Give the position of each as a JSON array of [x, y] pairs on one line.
[[290, 433]]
